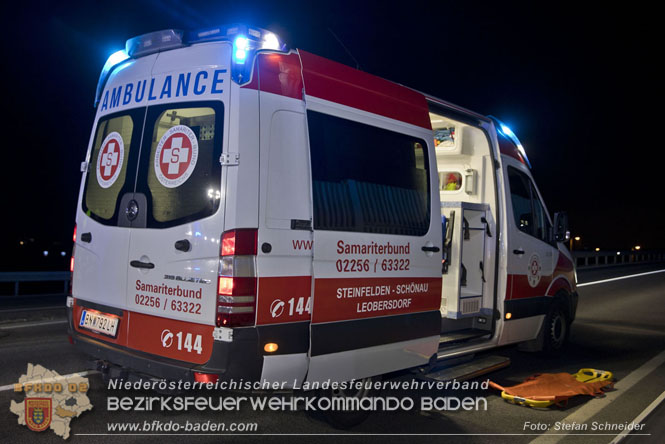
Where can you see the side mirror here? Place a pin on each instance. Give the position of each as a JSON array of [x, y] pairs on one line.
[[561, 233]]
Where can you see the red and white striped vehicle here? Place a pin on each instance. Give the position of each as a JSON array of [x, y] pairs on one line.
[[252, 211]]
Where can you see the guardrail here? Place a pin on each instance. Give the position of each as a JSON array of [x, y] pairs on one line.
[[606, 258], [35, 276], [583, 259]]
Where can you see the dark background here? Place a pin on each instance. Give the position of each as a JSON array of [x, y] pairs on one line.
[[576, 83]]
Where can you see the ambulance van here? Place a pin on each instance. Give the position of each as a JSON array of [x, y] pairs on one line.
[[249, 211]]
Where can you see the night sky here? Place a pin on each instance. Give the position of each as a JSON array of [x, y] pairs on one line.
[[577, 84]]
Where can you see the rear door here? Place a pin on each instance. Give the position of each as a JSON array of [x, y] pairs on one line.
[[174, 247], [152, 201], [102, 242], [376, 291]]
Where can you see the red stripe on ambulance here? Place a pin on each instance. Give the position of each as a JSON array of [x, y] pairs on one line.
[[357, 298]]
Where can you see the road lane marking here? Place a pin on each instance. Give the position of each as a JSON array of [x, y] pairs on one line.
[[31, 324], [656, 402], [4, 388], [619, 278], [590, 409]]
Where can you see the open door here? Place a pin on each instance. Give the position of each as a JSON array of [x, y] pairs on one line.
[[377, 241]]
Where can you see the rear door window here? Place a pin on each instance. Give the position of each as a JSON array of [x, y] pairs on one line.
[[180, 171], [112, 166]]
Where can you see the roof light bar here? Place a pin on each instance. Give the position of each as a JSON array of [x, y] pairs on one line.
[[154, 42], [247, 41]]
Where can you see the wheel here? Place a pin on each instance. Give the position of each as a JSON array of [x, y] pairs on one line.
[[556, 328], [347, 419]]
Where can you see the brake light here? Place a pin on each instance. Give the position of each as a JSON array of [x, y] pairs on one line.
[[71, 263], [237, 283], [239, 242]]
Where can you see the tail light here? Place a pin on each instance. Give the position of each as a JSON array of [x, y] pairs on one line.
[[236, 283], [71, 263]]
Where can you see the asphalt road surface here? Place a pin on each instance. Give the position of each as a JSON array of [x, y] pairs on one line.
[[620, 327]]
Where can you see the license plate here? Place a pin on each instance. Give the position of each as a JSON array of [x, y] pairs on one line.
[[107, 325]]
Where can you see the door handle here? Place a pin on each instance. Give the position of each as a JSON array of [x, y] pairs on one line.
[[433, 249], [86, 237], [183, 245], [518, 252], [139, 264]]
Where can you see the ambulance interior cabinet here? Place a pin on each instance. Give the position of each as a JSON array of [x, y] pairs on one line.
[[464, 248]]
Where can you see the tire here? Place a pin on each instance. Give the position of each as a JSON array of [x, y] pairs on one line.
[[347, 419], [556, 329]]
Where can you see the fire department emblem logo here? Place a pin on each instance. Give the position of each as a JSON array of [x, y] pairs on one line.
[[38, 413], [533, 271], [109, 162], [176, 156]]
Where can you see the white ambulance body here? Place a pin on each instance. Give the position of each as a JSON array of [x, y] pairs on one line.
[[258, 213]]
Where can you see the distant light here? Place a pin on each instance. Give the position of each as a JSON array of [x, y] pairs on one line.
[[63, 254], [597, 249], [45, 253], [577, 238], [21, 243], [637, 247], [270, 41], [618, 252], [509, 315]]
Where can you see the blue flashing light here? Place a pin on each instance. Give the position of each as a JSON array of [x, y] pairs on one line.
[[240, 45], [114, 60], [506, 131]]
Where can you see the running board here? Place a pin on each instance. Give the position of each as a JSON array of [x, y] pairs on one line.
[[464, 335], [468, 370]]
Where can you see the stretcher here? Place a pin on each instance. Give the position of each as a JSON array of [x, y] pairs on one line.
[[545, 389]]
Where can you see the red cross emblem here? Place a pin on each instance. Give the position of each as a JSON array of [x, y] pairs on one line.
[[176, 155], [109, 162], [109, 159]]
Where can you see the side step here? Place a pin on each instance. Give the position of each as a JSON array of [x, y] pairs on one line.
[[464, 335], [467, 370]]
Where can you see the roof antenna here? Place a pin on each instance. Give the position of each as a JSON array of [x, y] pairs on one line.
[[345, 49]]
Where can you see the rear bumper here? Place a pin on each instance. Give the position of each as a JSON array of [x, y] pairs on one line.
[[239, 359]]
